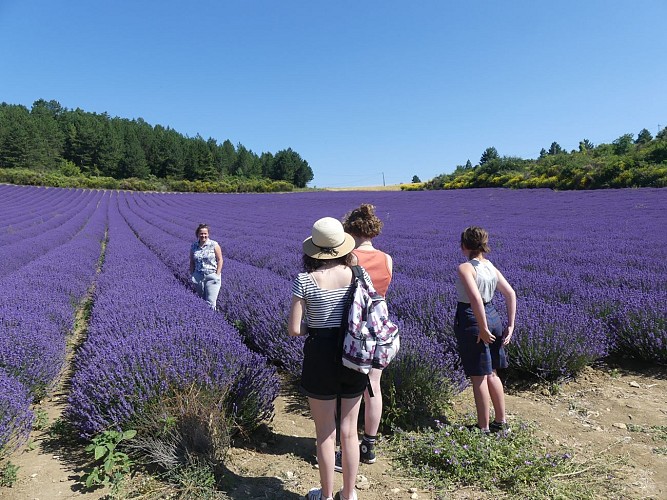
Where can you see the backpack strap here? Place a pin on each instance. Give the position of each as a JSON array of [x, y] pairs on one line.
[[358, 273]]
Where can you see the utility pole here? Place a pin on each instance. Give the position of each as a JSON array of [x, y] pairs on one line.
[[383, 179]]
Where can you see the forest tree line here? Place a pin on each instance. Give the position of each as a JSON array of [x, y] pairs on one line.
[[51, 139], [626, 162]]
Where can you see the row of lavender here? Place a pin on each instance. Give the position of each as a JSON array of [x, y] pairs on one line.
[[585, 275], [256, 300], [151, 340], [577, 260], [53, 265], [39, 220]]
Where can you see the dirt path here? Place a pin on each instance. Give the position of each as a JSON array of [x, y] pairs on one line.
[[604, 415]]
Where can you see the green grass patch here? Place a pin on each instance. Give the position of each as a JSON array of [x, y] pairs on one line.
[[657, 432], [514, 464]]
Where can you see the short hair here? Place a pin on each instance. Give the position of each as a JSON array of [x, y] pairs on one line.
[[200, 227], [362, 222], [476, 240], [311, 264]]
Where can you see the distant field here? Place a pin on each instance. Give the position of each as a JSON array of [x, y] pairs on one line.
[[393, 187]]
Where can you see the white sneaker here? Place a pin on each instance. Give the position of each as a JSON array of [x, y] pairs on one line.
[[316, 494], [340, 496]]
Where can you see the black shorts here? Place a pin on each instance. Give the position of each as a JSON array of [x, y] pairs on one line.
[[323, 375], [479, 358]]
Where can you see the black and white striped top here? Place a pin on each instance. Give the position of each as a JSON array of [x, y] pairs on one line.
[[324, 308]]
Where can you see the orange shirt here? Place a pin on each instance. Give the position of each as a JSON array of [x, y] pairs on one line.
[[375, 263]]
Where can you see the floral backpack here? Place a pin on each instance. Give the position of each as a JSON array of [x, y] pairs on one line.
[[370, 339]]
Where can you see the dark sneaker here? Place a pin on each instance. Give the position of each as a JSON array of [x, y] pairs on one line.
[[338, 461], [499, 427], [366, 453], [477, 428]]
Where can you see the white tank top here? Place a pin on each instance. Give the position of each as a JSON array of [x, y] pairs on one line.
[[486, 278]]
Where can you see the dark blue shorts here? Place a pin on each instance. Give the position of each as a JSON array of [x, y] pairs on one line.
[[479, 358], [323, 375]]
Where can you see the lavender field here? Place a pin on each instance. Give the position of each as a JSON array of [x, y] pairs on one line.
[[589, 269]]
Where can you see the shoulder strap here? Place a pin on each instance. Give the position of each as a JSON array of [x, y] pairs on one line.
[[358, 273]]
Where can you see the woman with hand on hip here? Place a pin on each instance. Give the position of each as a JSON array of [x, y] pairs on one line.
[[478, 327], [206, 265], [319, 299], [364, 225]]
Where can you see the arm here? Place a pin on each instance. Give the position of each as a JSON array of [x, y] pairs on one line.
[[390, 264], [192, 262], [295, 326], [510, 300], [218, 259], [467, 275]]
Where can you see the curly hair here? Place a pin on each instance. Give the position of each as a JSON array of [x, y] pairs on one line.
[[476, 240], [362, 222]]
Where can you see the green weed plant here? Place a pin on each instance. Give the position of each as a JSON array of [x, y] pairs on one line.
[[111, 464], [8, 474], [509, 463]]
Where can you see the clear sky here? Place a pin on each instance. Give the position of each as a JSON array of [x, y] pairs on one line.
[[360, 89]]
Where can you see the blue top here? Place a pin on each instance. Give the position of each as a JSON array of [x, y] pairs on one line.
[[204, 257]]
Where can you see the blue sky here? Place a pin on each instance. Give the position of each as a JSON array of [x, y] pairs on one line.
[[362, 90]]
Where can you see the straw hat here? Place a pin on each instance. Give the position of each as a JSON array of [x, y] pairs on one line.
[[328, 240]]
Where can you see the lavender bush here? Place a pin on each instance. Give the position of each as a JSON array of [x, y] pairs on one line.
[[15, 414], [38, 302], [150, 338]]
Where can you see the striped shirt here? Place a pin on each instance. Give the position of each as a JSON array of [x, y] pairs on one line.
[[324, 308]]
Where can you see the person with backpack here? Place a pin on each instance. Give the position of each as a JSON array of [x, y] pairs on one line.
[[320, 297], [479, 330], [364, 225]]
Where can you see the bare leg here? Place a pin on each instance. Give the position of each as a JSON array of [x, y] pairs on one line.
[[480, 390], [373, 405], [497, 394], [323, 412], [349, 441]]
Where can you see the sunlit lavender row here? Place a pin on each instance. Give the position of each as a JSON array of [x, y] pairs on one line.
[[57, 219], [37, 307], [149, 338], [256, 300], [578, 260], [589, 269]]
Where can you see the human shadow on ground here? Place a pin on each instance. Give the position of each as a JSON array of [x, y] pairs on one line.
[[267, 441]]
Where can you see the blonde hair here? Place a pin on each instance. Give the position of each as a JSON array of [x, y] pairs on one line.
[[362, 222]]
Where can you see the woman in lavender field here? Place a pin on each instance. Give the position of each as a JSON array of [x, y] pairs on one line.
[[479, 330], [318, 303], [206, 266], [364, 225]]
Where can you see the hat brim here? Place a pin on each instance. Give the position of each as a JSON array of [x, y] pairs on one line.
[[312, 250]]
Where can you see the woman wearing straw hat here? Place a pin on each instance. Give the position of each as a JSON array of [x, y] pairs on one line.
[[318, 303]]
